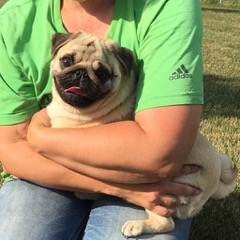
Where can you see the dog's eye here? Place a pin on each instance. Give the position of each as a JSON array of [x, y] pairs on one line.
[[102, 73], [66, 61]]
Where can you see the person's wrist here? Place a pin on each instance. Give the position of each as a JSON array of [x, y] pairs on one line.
[[114, 191]]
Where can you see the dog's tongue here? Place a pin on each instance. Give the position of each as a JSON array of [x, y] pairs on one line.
[[75, 90]]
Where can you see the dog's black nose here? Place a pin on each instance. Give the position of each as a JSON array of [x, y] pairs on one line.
[[80, 75]]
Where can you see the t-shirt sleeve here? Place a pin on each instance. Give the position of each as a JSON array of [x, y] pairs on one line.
[[17, 99], [170, 55]]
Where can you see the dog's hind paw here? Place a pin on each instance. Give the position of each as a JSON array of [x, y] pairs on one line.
[[132, 228]]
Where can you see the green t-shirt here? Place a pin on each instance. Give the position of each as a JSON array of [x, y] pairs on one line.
[[165, 36]]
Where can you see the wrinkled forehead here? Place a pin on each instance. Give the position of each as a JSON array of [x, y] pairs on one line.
[[85, 49]]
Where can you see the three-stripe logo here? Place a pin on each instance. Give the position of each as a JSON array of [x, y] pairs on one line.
[[180, 73]]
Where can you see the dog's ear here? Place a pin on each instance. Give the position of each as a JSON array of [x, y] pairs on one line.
[[59, 39], [126, 58]]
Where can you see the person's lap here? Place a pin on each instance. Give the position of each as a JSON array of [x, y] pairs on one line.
[[108, 215], [31, 212]]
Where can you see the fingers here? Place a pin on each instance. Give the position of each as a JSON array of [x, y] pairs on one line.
[[163, 211], [169, 201], [163, 205], [179, 189], [166, 205], [162, 198], [188, 169]]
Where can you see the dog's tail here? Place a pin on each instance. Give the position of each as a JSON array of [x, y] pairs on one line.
[[227, 182]]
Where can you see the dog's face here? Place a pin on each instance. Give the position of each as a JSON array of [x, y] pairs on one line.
[[86, 69]]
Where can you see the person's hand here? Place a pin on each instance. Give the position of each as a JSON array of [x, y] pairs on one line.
[[161, 197], [187, 169], [40, 122]]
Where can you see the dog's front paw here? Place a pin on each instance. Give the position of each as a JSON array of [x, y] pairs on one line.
[[132, 228]]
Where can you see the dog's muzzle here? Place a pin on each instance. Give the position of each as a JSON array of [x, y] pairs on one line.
[[78, 89], [79, 83]]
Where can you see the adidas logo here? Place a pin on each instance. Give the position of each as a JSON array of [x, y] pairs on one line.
[[180, 73]]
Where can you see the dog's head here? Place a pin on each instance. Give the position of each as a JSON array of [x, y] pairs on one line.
[[86, 68]]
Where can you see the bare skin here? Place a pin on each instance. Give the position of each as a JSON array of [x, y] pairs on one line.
[[139, 169], [126, 152], [94, 16]]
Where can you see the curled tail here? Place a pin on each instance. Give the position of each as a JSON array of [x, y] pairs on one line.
[[227, 181]]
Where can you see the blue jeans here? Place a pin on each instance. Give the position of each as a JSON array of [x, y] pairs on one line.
[[31, 212]]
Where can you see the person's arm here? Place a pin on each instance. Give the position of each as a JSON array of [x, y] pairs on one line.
[[20, 160], [152, 147]]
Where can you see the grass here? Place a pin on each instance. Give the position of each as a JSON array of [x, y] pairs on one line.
[[222, 4], [219, 220], [2, 2]]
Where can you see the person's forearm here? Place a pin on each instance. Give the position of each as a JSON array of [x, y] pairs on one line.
[[27, 164], [78, 154], [36, 168], [127, 146], [156, 197], [19, 159]]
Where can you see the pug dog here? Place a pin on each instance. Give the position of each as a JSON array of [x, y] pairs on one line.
[[93, 83]]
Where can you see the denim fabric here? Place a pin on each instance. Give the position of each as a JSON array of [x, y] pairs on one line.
[[108, 214], [31, 212]]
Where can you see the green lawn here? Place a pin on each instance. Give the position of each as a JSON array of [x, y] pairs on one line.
[[219, 220], [2, 2]]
